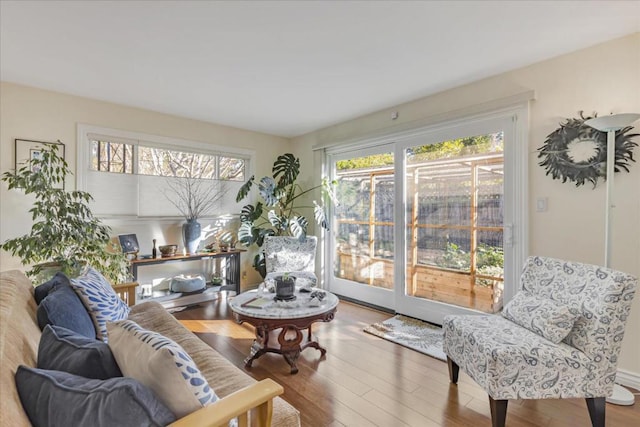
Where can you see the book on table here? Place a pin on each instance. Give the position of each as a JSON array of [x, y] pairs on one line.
[[257, 302]]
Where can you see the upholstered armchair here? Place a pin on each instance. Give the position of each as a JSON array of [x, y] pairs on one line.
[[559, 337], [284, 254]]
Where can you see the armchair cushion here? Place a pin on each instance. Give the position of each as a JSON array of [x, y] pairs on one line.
[[544, 316], [53, 398]]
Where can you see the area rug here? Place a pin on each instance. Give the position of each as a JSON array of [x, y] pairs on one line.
[[412, 333]]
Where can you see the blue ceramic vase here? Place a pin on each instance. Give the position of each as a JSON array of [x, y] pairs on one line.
[[191, 235]]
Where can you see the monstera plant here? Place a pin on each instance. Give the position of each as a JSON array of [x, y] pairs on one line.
[[280, 211]]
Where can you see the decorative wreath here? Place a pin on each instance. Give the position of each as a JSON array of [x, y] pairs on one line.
[[577, 152]]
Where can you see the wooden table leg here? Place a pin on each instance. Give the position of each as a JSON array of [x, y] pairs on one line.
[[290, 347], [260, 345]]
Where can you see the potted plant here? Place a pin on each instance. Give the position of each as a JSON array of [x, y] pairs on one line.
[[65, 235], [280, 212], [194, 197], [285, 287]]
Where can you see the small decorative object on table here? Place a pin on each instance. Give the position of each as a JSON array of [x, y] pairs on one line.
[[211, 247], [216, 280], [129, 244], [154, 251], [316, 298], [168, 250], [285, 287]]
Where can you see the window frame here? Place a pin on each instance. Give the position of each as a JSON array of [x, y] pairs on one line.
[[87, 133]]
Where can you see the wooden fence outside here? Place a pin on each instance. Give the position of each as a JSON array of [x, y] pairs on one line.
[[438, 284]]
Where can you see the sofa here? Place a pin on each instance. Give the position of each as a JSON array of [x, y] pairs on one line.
[[238, 393]]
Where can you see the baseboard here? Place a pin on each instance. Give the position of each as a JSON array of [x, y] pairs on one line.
[[628, 378], [365, 304]]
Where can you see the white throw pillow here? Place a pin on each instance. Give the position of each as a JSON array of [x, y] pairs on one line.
[[546, 317], [160, 364]]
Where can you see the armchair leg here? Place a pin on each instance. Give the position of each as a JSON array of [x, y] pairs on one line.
[[498, 412], [596, 406], [453, 370]]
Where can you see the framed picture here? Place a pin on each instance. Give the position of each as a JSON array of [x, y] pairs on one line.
[[129, 244], [27, 150]]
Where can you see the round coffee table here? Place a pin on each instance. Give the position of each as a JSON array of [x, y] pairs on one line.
[[292, 317]]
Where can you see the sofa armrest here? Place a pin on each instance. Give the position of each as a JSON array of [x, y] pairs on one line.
[[126, 292], [259, 396]]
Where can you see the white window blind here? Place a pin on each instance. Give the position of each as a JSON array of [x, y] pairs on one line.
[[132, 193]]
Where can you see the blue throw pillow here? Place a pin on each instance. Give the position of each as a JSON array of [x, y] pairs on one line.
[[62, 307], [102, 302], [53, 398], [41, 291], [61, 349]]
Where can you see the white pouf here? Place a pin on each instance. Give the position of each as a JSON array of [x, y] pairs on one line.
[[187, 283]]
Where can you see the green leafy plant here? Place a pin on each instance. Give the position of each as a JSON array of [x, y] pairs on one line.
[[64, 232], [489, 259], [280, 211]]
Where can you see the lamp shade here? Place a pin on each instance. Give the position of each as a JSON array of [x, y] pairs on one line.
[[613, 122]]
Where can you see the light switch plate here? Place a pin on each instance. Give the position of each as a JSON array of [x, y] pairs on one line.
[[541, 204]]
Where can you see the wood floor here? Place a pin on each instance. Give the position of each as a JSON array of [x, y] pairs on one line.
[[368, 381]]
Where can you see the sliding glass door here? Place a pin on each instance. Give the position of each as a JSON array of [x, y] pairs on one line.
[[362, 249], [454, 218], [425, 221]]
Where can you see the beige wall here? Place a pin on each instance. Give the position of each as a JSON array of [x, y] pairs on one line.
[[602, 79], [30, 113]]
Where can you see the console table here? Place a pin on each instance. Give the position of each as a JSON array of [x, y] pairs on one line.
[[231, 273]]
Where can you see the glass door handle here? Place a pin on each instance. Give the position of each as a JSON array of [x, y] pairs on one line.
[[508, 235]]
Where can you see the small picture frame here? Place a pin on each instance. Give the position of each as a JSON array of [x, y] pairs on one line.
[[129, 244], [27, 150]]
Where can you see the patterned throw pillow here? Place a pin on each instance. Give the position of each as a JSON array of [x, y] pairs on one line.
[[541, 315], [160, 364], [100, 300]]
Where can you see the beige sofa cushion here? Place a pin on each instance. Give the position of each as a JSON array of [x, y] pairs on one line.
[[19, 338], [223, 377]]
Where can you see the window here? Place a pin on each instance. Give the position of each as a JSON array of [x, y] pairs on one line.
[[128, 174], [108, 155]]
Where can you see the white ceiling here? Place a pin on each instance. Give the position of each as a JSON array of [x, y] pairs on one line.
[[287, 68]]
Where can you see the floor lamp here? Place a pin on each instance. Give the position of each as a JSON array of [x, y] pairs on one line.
[[611, 124]]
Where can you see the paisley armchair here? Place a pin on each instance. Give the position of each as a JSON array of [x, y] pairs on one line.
[[284, 254], [559, 337]]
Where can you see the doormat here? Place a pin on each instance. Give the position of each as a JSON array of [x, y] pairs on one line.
[[411, 333]]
